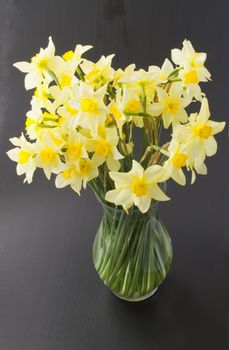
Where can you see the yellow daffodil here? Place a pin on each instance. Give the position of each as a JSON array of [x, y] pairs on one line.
[[99, 73], [162, 74], [177, 160], [39, 66], [171, 105], [74, 58], [142, 79], [75, 147], [137, 187], [90, 106], [23, 154], [124, 75], [193, 70], [199, 133], [105, 149], [131, 106], [48, 156], [78, 176]]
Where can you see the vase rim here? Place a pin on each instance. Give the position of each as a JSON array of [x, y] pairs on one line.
[[133, 208]]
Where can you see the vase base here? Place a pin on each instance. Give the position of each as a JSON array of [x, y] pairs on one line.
[[144, 297]]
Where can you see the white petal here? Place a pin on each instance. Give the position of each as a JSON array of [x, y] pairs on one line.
[[178, 176], [176, 56], [32, 80], [155, 109], [143, 203], [137, 169], [204, 113], [210, 146], [24, 67], [216, 126], [157, 193]]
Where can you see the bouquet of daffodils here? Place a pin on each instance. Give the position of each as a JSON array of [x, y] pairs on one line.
[[83, 120]]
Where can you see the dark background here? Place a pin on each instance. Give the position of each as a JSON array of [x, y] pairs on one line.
[[50, 295]]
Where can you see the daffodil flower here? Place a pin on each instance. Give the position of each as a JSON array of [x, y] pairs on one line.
[[162, 74], [48, 156], [77, 176], [38, 70], [199, 133], [23, 155], [177, 159], [123, 75], [75, 147], [105, 149], [137, 187], [74, 58], [193, 70], [91, 108], [100, 73], [171, 105]]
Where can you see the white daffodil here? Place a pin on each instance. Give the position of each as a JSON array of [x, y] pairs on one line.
[[39, 68], [90, 106], [75, 147], [115, 111], [171, 105], [85, 170], [199, 133], [23, 154], [187, 57], [105, 149], [131, 106], [138, 187], [177, 159], [193, 70], [74, 58], [142, 80], [99, 73], [162, 74], [123, 75], [48, 156]]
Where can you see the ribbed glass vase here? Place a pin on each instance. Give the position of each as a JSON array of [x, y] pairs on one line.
[[132, 252]]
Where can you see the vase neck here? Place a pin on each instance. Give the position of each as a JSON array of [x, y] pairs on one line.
[[116, 213]]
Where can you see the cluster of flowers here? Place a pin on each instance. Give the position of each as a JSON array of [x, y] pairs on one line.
[[82, 119]]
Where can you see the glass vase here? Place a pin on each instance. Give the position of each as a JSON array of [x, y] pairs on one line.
[[132, 252]]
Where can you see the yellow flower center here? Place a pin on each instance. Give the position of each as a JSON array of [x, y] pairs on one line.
[[139, 187], [68, 55], [203, 131], [84, 166], [114, 110], [179, 160], [93, 75], [171, 106], [40, 62], [23, 157], [65, 80], [48, 155], [74, 150], [191, 77], [89, 105], [102, 148], [71, 110], [67, 173], [133, 106]]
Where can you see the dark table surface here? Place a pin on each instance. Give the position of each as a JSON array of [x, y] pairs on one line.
[[50, 295]]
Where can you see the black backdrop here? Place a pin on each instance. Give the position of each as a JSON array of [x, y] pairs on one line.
[[50, 295]]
